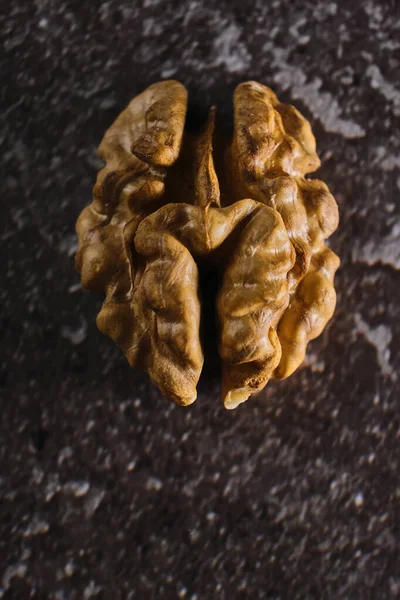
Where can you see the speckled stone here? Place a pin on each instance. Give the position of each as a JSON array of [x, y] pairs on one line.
[[107, 491]]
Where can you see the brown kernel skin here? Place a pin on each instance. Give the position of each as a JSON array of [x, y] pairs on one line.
[[156, 212]]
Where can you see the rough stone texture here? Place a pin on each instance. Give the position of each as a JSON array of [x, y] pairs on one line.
[[108, 492]]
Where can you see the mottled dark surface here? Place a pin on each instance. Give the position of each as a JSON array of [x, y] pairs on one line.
[[108, 492]]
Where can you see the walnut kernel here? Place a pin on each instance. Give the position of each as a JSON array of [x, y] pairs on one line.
[[160, 208]]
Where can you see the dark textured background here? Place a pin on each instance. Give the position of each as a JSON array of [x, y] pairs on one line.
[[107, 491]]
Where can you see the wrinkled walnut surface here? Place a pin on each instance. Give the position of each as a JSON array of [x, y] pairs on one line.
[[160, 209]]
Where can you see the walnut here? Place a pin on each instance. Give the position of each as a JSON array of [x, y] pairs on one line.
[[161, 208]]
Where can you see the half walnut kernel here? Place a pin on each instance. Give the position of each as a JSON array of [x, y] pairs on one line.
[[159, 210]]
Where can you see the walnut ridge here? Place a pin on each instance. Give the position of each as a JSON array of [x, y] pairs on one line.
[[161, 207]]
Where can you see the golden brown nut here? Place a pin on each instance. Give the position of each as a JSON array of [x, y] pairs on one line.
[[156, 216]]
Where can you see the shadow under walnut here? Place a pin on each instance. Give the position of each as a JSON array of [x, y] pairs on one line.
[[161, 207]]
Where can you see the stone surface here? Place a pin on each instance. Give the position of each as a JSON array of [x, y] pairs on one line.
[[107, 491]]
